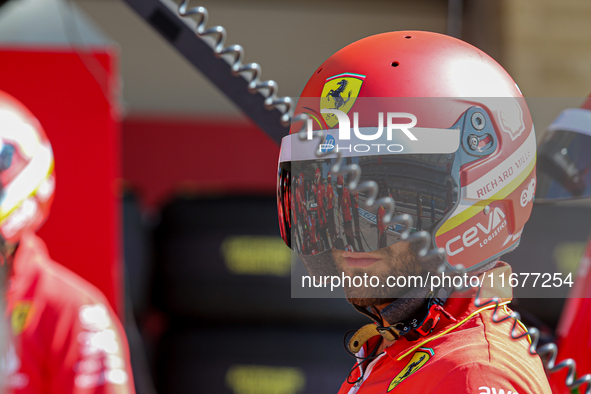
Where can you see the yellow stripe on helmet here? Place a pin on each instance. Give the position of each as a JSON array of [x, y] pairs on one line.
[[470, 212]]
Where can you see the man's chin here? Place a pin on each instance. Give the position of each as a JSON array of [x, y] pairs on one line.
[[367, 302], [373, 294]]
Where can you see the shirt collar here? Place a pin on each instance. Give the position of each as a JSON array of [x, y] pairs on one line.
[[462, 305]]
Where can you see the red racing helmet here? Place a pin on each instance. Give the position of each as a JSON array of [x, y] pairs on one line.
[[474, 196], [26, 171]]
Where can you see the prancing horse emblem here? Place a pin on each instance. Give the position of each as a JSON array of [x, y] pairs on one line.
[[336, 94], [421, 356], [340, 92]]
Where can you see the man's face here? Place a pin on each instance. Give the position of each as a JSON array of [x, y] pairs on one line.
[[395, 260]]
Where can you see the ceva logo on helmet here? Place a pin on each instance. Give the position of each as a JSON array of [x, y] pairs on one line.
[[496, 222], [345, 131]]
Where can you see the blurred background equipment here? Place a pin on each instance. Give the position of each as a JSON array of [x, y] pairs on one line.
[[222, 278], [186, 29]]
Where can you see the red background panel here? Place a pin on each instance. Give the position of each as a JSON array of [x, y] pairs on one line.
[[165, 155], [73, 96]]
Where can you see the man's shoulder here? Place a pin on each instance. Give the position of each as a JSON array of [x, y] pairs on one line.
[[43, 277], [62, 286], [482, 340], [487, 356]]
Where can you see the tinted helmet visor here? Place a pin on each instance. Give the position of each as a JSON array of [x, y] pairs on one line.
[[318, 212]]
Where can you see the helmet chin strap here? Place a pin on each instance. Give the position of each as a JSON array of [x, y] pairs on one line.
[[412, 316]]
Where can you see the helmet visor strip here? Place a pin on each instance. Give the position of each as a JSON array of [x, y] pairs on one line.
[[564, 162], [319, 212]]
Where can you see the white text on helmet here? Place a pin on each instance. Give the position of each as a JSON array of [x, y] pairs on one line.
[[496, 222]]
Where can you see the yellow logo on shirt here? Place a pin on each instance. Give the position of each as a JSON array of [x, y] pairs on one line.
[[418, 359], [19, 318]]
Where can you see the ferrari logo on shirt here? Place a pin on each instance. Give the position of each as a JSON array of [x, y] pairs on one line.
[[421, 356], [20, 313], [340, 92]]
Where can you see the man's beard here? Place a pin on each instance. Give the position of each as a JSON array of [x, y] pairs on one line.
[[396, 260], [402, 261], [367, 302]]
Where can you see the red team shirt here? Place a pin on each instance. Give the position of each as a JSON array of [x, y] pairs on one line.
[[66, 338], [346, 207], [320, 200], [478, 357], [299, 201], [329, 196], [320, 196]]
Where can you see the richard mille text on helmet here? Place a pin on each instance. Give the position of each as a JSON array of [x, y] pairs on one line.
[[447, 138]]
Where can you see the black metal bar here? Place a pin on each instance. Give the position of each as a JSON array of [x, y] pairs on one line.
[[163, 16], [455, 10]]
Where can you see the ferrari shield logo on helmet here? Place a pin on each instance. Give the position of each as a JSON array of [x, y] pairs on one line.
[[340, 92], [420, 358]]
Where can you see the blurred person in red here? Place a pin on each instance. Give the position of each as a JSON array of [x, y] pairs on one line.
[[471, 142], [332, 229], [347, 217], [311, 236], [564, 164], [340, 190], [294, 206], [322, 219], [298, 216], [382, 236], [65, 338], [355, 200]]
